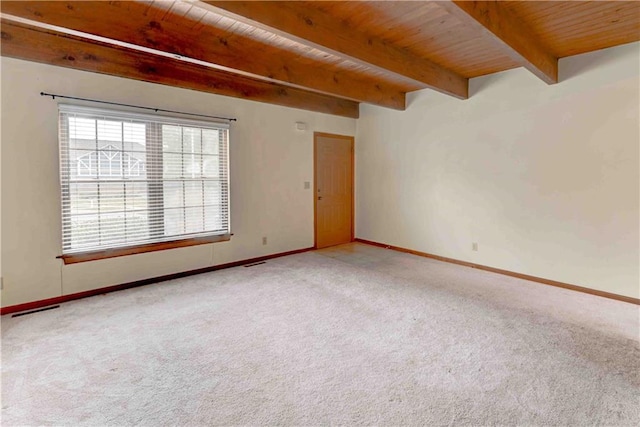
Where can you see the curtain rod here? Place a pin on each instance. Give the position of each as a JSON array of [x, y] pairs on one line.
[[54, 96]]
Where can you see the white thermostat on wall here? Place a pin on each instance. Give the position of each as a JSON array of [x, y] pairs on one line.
[[301, 126]]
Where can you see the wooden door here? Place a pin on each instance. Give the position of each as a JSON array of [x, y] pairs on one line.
[[333, 189]]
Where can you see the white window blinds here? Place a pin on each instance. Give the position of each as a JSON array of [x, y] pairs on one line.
[[129, 179]]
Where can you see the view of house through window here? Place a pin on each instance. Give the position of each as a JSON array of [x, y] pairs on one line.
[[129, 179]]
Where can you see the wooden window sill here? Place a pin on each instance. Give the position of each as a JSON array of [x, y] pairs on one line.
[[139, 249]]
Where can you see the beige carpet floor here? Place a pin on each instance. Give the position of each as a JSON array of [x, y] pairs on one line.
[[349, 336]]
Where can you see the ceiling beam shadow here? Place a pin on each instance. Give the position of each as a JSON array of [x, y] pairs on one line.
[[49, 47], [306, 25], [507, 32], [185, 37]]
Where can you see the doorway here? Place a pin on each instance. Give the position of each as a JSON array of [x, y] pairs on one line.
[[333, 189]]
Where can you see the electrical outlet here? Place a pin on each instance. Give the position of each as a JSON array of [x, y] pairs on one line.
[[264, 240], [474, 246], [307, 185]]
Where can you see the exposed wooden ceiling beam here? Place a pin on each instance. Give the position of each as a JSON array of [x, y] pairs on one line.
[[183, 36], [507, 31], [46, 46], [304, 24]]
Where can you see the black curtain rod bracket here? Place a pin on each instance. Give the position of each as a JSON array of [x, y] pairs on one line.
[[53, 96]]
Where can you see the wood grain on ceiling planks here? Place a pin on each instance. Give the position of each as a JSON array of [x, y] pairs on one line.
[[507, 32], [302, 22], [49, 47], [172, 34], [425, 29], [573, 27], [320, 55]]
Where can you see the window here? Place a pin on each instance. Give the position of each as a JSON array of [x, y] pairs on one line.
[[132, 181]]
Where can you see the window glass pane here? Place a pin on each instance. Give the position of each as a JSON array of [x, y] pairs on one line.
[[112, 228], [137, 226], [213, 219], [192, 165], [211, 167], [191, 141], [109, 131], [210, 143], [83, 164], [134, 133], [82, 128], [212, 192], [173, 222], [112, 198], [193, 193], [84, 231], [84, 198], [172, 139], [173, 167], [173, 194], [135, 165], [194, 219], [110, 162], [136, 196], [127, 181]]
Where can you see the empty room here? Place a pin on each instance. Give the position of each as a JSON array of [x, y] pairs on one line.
[[320, 213]]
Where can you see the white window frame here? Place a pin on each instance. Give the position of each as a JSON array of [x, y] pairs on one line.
[[153, 241]]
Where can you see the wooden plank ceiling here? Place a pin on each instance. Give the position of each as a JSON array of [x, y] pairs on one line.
[[325, 56]]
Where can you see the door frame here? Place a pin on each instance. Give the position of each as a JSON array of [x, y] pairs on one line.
[[352, 140]]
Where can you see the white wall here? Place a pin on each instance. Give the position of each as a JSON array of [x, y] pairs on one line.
[[270, 161], [1, 185], [544, 178]]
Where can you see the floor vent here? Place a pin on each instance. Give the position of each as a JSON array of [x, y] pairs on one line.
[[254, 264], [24, 313]]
